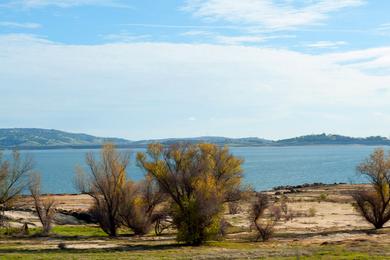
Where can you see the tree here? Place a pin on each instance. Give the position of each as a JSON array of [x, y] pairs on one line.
[[198, 178], [13, 177], [45, 207], [264, 227], [105, 184], [374, 205], [138, 210]]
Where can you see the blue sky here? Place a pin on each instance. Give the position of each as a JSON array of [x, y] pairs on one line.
[[154, 69]]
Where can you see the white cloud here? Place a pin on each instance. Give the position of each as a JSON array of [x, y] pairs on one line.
[[182, 26], [237, 40], [234, 40], [125, 37], [145, 90], [375, 60], [326, 44], [63, 3], [198, 33], [20, 25], [285, 14], [384, 29]]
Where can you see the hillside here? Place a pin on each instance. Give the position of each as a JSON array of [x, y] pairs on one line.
[[248, 141], [35, 137], [324, 139]]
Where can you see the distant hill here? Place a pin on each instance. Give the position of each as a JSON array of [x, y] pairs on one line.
[[248, 141], [34, 138], [324, 139]]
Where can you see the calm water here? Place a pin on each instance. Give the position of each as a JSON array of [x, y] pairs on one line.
[[265, 167]]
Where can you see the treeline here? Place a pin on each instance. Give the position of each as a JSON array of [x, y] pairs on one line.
[[186, 186]]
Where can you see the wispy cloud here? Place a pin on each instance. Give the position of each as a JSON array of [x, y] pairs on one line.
[[247, 39], [326, 44], [28, 4], [384, 29], [198, 33], [183, 26], [244, 39], [20, 25], [269, 14], [125, 37], [237, 40], [373, 61]]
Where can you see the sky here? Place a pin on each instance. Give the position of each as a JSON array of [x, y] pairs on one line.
[[168, 68]]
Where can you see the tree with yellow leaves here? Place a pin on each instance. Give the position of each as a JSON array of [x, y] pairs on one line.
[[198, 178], [374, 205]]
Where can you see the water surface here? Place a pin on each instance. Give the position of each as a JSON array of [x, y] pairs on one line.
[[265, 167]]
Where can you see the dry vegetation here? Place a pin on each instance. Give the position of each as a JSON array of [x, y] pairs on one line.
[[336, 229]]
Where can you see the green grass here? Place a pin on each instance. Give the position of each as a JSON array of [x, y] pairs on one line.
[[83, 231], [67, 231], [211, 252]]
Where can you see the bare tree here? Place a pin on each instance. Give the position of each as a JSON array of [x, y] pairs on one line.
[[13, 178], [45, 207], [374, 205], [105, 184], [264, 226]]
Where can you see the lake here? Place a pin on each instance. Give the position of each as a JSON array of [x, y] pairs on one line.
[[264, 167]]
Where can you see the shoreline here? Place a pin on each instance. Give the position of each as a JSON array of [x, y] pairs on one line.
[[276, 188], [144, 146]]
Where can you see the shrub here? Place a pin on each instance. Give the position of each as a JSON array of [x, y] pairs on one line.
[[283, 204], [264, 227], [234, 208], [45, 207], [322, 197], [137, 212], [312, 212], [374, 205], [62, 246]]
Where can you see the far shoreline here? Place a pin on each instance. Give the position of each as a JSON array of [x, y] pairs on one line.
[[94, 147], [287, 188]]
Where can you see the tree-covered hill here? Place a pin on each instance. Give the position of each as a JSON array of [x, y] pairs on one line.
[[35, 137]]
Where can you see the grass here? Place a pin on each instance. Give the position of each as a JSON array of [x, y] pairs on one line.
[[67, 231], [215, 250], [150, 247], [83, 231]]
